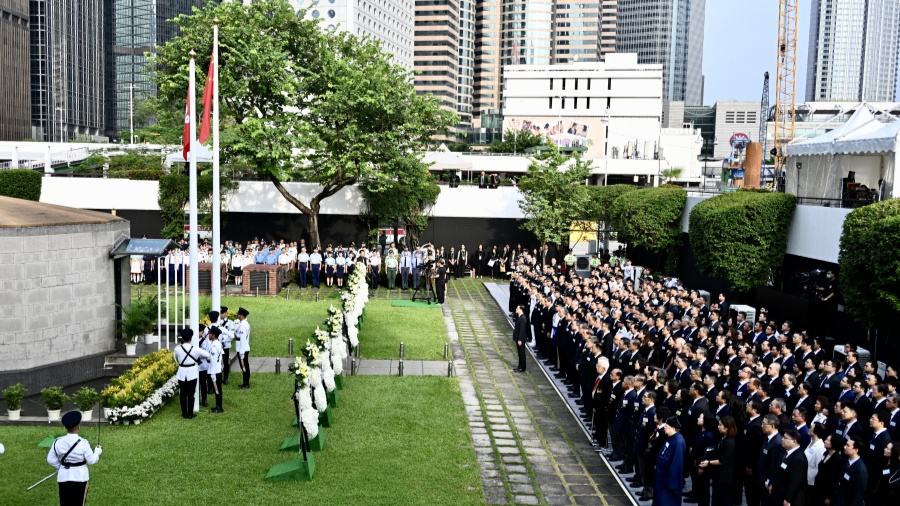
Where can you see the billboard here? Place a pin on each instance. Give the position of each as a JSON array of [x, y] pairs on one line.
[[562, 131]]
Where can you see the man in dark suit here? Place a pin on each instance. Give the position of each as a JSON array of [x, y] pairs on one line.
[[770, 456], [699, 406], [600, 404], [873, 456], [851, 485], [893, 406], [520, 336], [788, 483], [750, 448], [829, 385], [852, 427]]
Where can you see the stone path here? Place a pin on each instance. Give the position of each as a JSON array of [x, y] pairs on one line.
[[530, 449], [366, 367]]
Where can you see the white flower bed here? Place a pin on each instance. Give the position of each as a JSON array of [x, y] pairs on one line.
[[146, 409]]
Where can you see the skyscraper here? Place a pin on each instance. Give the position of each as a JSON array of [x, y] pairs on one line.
[[133, 29], [437, 50], [465, 78], [15, 100], [67, 58], [853, 46], [670, 33]]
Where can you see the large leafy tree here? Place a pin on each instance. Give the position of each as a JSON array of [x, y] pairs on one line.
[[303, 104], [407, 199], [554, 195], [516, 141]]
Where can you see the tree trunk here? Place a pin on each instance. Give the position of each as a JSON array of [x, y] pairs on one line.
[[314, 225]]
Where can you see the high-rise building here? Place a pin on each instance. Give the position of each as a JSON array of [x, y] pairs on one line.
[[67, 69], [465, 76], [15, 99], [667, 33], [133, 29], [389, 21], [853, 50], [437, 50]]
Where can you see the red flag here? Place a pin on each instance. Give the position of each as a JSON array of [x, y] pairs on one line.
[[187, 126], [207, 101]]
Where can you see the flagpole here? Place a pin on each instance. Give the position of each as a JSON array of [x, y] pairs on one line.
[[216, 198], [194, 288]]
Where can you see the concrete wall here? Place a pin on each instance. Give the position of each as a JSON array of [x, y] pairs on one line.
[[56, 293]]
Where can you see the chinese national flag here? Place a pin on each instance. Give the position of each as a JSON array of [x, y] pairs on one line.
[[207, 101], [187, 127]]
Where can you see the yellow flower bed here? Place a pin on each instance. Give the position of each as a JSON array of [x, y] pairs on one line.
[[145, 376]]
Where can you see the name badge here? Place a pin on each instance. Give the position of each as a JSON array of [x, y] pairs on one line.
[[846, 476], [784, 465], [745, 431], [886, 472], [872, 446], [893, 424], [765, 451], [690, 411], [678, 413], [613, 397]]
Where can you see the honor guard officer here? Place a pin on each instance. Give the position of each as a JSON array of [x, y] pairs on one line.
[[203, 343], [71, 455], [225, 338], [242, 337], [215, 366], [188, 358]]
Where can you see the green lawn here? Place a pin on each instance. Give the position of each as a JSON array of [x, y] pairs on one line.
[[394, 441], [422, 331]]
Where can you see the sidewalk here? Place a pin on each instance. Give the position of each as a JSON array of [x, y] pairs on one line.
[[365, 367]]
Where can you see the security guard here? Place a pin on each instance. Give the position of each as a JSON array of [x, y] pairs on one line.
[[188, 358], [71, 455], [215, 366], [242, 336], [570, 261]]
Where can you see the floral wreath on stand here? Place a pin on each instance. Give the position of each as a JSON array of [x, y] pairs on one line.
[[309, 417], [337, 345], [314, 355]]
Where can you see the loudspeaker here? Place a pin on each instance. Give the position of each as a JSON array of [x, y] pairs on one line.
[[583, 265]]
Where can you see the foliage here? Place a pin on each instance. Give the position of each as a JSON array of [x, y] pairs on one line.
[[13, 395], [174, 195], [85, 398], [408, 199], [673, 173], [459, 147], [137, 319], [742, 236], [21, 184], [54, 397], [516, 141], [553, 195], [650, 217], [598, 207], [869, 264], [145, 376], [362, 119]]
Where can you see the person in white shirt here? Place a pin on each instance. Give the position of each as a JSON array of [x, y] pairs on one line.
[[284, 263], [315, 266], [237, 268], [340, 266], [203, 343], [242, 337], [330, 264], [302, 265], [71, 455], [225, 338], [815, 452], [374, 269], [215, 366], [188, 359]]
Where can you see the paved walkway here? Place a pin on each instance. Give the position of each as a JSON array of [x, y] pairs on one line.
[[366, 366], [530, 448]]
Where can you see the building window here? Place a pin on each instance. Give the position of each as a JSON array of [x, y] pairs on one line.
[[609, 84], [563, 101], [576, 85], [564, 84], [589, 99], [331, 13], [551, 98], [589, 86], [315, 14], [551, 83], [576, 101], [608, 102]]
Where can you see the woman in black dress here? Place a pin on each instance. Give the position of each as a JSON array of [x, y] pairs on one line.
[[478, 262], [829, 470], [495, 258], [721, 466]]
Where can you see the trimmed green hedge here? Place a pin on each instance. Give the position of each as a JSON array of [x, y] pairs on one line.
[[870, 264], [650, 217], [21, 184], [742, 236]]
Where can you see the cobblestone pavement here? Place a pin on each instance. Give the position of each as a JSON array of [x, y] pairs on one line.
[[530, 448]]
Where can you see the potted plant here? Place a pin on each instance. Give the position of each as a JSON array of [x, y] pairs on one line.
[[13, 395], [85, 399], [149, 305], [134, 324], [54, 398]]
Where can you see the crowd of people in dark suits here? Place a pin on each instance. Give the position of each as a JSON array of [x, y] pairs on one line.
[[679, 392]]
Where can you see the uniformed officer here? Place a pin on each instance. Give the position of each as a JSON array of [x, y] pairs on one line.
[[315, 265], [188, 358], [225, 338], [242, 337], [71, 455], [215, 366], [203, 366], [303, 265]]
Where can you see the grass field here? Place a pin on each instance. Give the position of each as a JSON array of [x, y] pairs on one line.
[[394, 441], [422, 331]]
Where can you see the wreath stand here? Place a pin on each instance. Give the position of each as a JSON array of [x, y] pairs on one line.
[[301, 469]]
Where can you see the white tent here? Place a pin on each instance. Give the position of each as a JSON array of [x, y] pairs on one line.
[[828, 158], [444, 159], [204, 155]]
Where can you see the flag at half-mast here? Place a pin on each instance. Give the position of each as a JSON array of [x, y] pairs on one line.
[[187, 126], [207, 100]]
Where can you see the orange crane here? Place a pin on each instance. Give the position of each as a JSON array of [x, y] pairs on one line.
[[785, 84]]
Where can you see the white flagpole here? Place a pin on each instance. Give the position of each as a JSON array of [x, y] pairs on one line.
[[216, 199], [193, 280]]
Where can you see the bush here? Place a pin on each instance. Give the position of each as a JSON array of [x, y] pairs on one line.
[[13, 395], [742, 236], [85, 398], [146, 375], [54, 397], [650, 217], [870, 265], [21, 184]]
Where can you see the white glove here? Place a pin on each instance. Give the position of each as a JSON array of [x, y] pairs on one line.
[[98, 450], [2, 449]]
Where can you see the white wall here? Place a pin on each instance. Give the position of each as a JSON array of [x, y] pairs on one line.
[[96, 193]]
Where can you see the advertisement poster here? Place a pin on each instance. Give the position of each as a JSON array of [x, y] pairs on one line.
[[563, 132]]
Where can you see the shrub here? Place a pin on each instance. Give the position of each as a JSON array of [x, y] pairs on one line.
[[13, 395], [650, 217], [21, 184], [85, 398], [870, 265], [598, 207], [54, 397], [742, 236], [146, 375]]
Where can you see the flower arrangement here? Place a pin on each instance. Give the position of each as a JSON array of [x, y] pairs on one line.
[[309, 417], [354, 299], [142, 389]]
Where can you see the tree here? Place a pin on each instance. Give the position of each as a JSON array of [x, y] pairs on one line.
[[516, 141], [305, 104], [553, 195], [408, 199], [651, 218], [598, 208]]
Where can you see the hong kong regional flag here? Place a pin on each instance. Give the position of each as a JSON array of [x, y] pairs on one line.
[[187, 126]]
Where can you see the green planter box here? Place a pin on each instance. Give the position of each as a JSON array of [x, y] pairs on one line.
[[293, 470], [339, 381], [332, 398], [317, 443], [292, 444], [326, 418]]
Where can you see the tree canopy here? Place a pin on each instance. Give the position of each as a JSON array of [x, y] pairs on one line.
[[516, 141], [302, 103], [407, 199]]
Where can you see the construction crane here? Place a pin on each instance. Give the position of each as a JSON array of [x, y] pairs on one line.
[[785, 84], [764, 114]]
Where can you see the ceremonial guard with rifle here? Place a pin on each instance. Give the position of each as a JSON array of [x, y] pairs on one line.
[[70, 455]]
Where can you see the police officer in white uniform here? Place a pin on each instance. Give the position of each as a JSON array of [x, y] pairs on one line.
[[242, 337], [203, 343], [225, 338], [71, 455], [188, 358], [215, 366]]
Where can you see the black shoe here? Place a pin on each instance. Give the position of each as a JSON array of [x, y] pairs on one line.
[[637, 484], [579, 402], [205, 404], [216, 410], [244, 387], [192, 415], [518, 370], [644, 498], [559, 375], [691, 500], [224, 382]]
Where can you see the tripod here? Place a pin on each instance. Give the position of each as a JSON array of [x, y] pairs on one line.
[[428, 278]]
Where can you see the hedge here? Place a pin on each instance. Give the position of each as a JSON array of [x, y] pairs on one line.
[[742, 236], [21, 184], [650, 217], [870, 264]]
